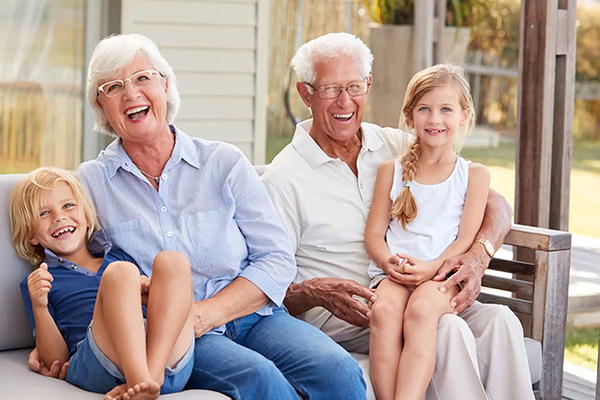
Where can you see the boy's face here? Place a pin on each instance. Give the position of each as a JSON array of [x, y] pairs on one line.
[[62, 225]]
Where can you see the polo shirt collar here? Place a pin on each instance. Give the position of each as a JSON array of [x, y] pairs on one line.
[[116, 157], [308, 149], [306, 146], [370, 140]]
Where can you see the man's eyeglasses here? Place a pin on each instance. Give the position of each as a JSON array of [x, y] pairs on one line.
[[137, 80], [333, 91]]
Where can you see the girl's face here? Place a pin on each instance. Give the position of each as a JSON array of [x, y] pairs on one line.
[[62, 225], [438, 115]]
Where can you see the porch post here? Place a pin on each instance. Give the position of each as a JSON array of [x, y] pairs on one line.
[[545, 112], [544, 127]]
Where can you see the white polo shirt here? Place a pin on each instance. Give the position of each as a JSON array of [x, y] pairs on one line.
[[324, 206]]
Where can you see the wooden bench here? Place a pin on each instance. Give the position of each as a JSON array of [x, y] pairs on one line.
[[539, 291]]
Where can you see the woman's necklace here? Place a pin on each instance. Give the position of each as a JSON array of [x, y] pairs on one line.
[[154, 178]]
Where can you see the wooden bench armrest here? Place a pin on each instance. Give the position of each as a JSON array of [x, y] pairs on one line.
[[540, 291], [530, 237]]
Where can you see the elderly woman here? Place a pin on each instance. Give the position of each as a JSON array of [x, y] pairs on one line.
[[156, 188]]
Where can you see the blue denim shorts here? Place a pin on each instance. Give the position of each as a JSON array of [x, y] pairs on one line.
[[91, 370]]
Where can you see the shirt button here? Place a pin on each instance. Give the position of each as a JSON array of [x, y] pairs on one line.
[[169, 234], [163, 209], [60, 260], [73, 266], [361, 185], [164, 176]]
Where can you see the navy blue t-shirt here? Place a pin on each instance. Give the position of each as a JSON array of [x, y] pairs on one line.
[[72, 298]]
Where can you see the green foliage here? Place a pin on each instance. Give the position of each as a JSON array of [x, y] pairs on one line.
[[397, 12], [495, 32], [588, 52], [401, 12]]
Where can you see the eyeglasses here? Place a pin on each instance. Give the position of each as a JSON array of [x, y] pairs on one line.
[[137, 80], [333, 91]]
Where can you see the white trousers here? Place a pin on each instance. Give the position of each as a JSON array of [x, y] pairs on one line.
[[480, 354]]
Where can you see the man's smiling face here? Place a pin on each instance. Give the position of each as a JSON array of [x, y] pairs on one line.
[[335, 119]]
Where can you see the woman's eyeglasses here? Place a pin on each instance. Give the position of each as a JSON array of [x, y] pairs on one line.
[[137, 80]]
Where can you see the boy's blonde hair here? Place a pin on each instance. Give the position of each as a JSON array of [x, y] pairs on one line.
[[26, 201], [440, 75]]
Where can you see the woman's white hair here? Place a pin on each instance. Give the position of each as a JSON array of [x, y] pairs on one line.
[[112, 55], [330, 46]]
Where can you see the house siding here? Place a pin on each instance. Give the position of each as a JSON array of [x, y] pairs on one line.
[[218, 49]]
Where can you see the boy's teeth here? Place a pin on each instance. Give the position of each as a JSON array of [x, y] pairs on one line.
[[69, 229], [134, 110]]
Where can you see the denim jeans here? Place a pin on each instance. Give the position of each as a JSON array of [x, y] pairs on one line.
[[273, 357]]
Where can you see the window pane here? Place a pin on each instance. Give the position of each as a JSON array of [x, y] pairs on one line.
[[41, 83]]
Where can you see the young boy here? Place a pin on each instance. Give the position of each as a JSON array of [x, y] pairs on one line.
[[84, 302]]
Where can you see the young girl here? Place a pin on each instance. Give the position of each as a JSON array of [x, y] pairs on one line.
[[84, 302], [428, 206]]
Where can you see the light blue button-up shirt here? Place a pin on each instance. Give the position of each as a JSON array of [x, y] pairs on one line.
[[210, 206]]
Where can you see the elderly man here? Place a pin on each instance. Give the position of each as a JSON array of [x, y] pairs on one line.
[[322, 185]]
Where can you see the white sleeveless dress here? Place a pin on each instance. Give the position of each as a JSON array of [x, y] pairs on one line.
[[440, 208]]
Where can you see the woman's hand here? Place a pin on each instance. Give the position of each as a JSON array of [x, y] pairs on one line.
[[201, 312], [144, 288], [411, 271], [55, 371], [39, 283]]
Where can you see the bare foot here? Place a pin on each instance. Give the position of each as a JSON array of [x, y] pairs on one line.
[[116, 393], [142, 391]]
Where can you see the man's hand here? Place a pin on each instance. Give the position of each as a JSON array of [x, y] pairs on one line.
[[469, 269], [39, 283], [336, 295], [411, 272], [55, 371]]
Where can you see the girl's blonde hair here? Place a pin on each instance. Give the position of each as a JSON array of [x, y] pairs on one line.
[[25, 203], [440, 75]]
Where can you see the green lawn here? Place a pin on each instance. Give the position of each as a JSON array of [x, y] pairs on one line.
[[584, 207], [584, 204], [581, 346]]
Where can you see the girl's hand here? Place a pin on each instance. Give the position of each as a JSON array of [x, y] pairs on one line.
[[393, 263], [411, 271], [39, 284]]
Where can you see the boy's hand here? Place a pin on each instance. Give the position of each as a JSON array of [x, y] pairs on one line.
[[144, 288], [55, 371], [39, 284]]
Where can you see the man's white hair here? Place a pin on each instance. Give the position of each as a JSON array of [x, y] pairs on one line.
[[111, 56], [327, 47]]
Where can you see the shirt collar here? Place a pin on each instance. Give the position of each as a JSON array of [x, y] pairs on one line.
[[315, 156], [116, 157], [370, 140], [99, 246]]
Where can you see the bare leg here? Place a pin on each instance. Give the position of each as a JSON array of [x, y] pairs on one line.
[[118, 326], [170, 325], [386, 337], [417, 362]]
